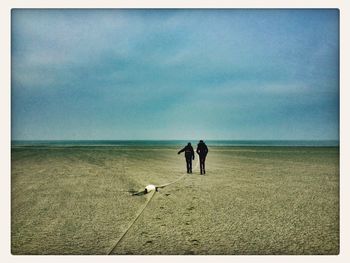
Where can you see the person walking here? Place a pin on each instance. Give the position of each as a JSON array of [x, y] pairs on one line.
[[202, 151], [189, 155]]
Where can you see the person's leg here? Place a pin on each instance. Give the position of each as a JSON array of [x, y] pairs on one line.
[[202, 160], [201, 164], [190, 161], [187, 165], [204, 164]]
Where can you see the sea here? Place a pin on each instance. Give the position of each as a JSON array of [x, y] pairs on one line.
[[159, 143]]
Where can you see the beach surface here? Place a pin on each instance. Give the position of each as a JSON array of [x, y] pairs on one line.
[[252, 201]]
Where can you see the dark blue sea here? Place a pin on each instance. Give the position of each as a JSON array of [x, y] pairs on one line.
[[68, 143]]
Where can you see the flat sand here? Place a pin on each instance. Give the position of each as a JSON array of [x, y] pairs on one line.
[[253, 200]]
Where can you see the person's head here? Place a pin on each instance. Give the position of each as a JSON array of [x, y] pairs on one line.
[[189, 144], [201, 141]]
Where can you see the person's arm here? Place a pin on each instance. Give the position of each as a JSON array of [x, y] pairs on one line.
[[197, 150], [192, 154], [181, 150]]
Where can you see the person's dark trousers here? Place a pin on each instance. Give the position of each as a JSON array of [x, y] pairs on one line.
[[202, 163], [189, 164]]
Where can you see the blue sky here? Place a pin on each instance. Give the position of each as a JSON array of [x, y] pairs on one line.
[[175, 74]]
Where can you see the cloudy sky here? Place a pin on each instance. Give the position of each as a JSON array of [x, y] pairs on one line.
[[175, 74]]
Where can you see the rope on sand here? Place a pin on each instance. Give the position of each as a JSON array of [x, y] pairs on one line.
[[164, 185], [144, 207], [131, 224]]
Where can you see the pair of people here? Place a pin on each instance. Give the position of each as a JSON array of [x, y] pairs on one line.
[[202, 151]]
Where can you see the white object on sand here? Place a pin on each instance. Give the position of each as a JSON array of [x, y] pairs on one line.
[[150, 188]]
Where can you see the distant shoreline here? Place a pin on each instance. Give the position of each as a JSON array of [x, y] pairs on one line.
[[162, 143]]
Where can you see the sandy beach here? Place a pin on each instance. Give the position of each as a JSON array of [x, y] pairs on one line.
[[253, 200]]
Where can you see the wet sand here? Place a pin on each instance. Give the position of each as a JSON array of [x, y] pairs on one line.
[[253, 200]]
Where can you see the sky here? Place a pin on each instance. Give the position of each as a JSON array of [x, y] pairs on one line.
[[115, 74]]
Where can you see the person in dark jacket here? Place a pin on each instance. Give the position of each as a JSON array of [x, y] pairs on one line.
[[202, 151], [189, 155]]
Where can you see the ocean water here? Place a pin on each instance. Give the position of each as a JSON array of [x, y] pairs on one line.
[[145, 143]]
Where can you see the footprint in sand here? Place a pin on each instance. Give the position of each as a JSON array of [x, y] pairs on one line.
[[195, 242], [148, 242]]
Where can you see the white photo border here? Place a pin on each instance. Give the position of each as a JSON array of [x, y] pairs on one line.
[[5, 117]]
